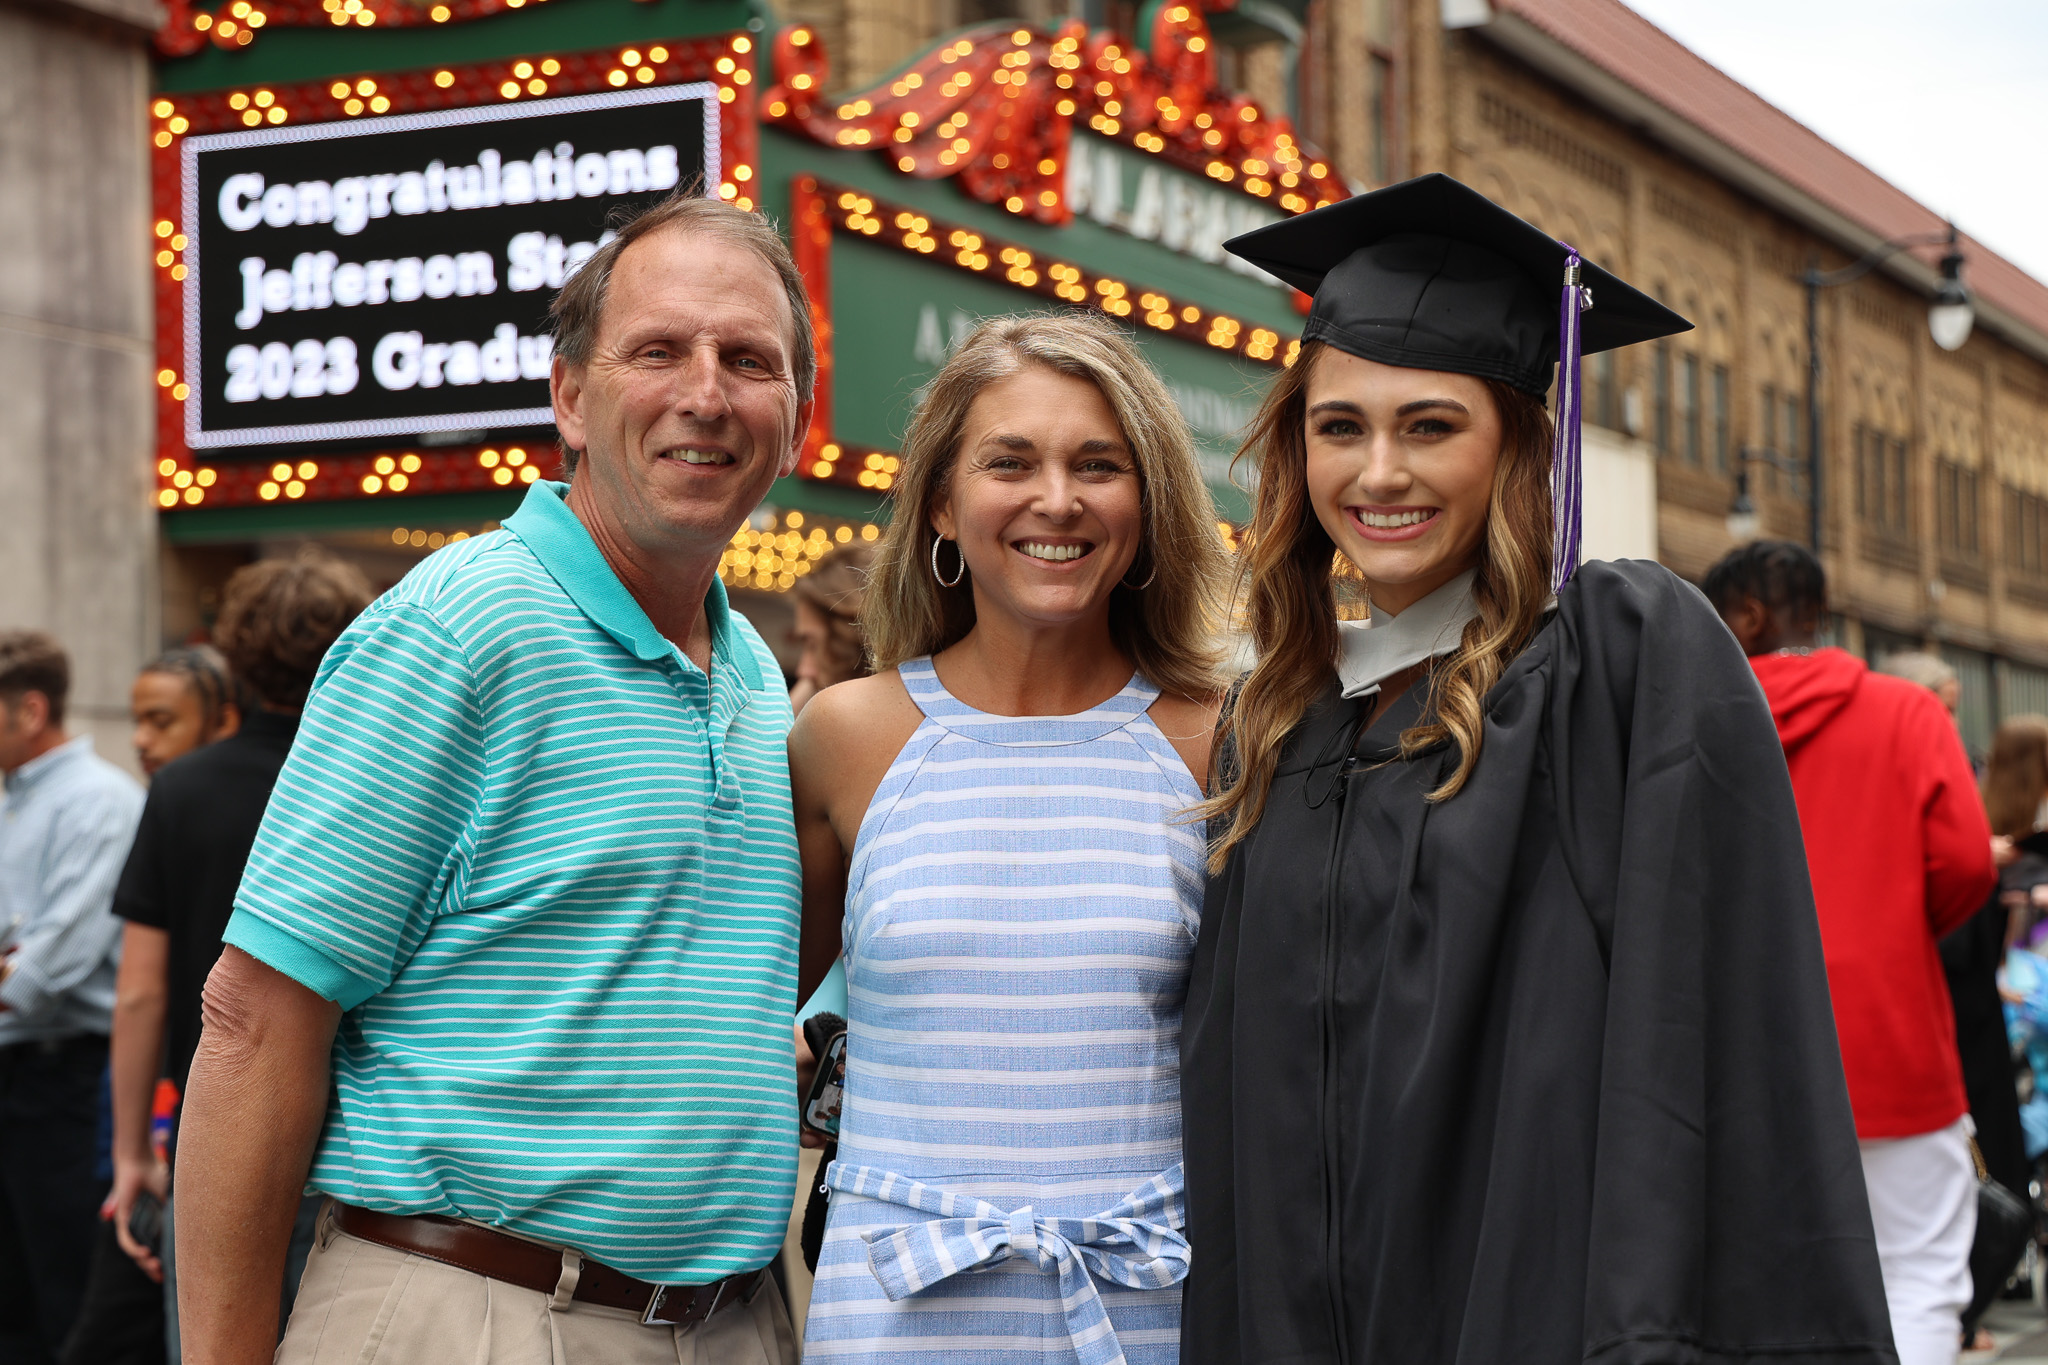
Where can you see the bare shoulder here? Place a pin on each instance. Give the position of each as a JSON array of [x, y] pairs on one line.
[[1189, 724], [852, 722]]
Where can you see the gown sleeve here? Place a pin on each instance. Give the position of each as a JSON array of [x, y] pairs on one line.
[[1729, 1218]]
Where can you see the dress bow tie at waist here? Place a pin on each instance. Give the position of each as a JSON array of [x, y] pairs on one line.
[[1136, 1244]]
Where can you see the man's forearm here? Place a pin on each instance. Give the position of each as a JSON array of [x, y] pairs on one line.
[[253, 1109]]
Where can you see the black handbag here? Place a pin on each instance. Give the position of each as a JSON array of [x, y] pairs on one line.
[[811, 1239], [2004, 1227]]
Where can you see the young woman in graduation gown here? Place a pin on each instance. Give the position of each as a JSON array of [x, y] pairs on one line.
[[1508, 1035]]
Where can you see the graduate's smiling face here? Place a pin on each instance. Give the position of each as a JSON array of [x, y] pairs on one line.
[[1044, 501], [1400, 470]]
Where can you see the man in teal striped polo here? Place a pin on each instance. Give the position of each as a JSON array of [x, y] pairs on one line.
[[513, 965]]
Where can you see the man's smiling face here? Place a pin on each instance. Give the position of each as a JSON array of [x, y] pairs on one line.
[[687, 409]]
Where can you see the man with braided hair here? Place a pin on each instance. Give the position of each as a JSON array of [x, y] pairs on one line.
[[1900, 854]]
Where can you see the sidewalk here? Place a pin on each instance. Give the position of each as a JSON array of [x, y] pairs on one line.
[[2020, 1329]]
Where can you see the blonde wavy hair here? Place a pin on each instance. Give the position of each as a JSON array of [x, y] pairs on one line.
[[1289, 578], [1168, 627]]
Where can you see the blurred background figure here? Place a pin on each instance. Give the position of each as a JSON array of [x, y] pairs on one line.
[[2016, 800], [1930, 671], [278, 617], [66, 821], [1901, 855], [181, 700], [2015, 782], [827, 631]]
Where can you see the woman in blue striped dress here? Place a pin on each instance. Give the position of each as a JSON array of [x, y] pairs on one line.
[[991, 832]]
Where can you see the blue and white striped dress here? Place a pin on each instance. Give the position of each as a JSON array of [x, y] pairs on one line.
[[1020, 913]]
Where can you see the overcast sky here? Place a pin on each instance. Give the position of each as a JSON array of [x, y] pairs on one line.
[[1947, 99]]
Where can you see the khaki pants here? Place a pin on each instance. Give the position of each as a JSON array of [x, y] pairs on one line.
[[364, 1304]]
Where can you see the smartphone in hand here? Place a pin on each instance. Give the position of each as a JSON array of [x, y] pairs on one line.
[[828, 1088], [146, 1222]]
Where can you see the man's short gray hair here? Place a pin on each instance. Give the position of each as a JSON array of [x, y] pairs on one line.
[[579, 307], [1930, 671]]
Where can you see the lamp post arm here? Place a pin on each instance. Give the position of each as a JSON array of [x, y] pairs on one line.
[[1816, 278]]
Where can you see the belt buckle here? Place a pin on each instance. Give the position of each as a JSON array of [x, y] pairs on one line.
[[652, 1317]]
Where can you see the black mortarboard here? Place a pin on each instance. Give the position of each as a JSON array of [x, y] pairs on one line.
[[1430, 274]]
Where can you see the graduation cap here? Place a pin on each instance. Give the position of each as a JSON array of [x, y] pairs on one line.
[[1430, 274]]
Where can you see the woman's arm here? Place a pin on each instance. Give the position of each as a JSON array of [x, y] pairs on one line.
[[839, 751]]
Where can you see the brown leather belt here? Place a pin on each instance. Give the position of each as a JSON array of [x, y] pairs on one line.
[[529, 1265]]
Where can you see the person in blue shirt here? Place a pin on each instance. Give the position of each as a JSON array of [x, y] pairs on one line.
[[65, 825], [513, 963]]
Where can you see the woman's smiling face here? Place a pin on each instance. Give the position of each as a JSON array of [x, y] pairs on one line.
[[1400, 471], [1044, 499]]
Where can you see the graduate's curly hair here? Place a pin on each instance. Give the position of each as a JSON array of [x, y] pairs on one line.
[[1289, 576]]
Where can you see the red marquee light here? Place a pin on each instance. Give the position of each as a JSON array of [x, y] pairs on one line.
[[996, 108]]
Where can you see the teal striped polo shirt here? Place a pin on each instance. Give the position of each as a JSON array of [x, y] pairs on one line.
[[548, 870]]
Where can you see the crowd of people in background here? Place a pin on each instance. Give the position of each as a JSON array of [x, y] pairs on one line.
[[442, 977], [117, 901]]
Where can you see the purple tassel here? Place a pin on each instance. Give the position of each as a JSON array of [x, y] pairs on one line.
[[1566, 492]]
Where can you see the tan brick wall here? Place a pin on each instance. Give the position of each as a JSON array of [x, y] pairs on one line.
[[1457, 104], [1731, 265]]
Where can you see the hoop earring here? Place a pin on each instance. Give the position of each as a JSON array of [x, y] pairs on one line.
[[1140, 587], [958, 573]]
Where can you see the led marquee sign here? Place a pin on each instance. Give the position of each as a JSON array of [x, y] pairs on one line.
[[390, 277]]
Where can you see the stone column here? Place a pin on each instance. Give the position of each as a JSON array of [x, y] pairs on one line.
[[78, 535]]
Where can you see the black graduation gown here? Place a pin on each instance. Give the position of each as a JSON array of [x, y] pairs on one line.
[[1545, 1073]]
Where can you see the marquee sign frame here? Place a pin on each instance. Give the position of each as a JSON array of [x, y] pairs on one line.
[[725, 60]]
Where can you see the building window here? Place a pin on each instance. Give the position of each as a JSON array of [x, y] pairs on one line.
[[1955, 509], [1720, 394], [1881, 481], [2022, 690], [1767, 433], [1605, 405], [1974, 707], [1660, 383], [1346, 48], [2025, 514], [1689, 407]]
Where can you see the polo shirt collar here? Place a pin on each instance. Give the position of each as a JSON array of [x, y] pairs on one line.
[[23, 779], [562, 544]]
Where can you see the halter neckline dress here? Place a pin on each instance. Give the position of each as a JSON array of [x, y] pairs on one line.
[[1021, 911]]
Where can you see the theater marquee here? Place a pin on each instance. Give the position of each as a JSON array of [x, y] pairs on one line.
[[391, 277]]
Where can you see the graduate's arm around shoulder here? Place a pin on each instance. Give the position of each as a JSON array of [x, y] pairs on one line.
[[839, 751]]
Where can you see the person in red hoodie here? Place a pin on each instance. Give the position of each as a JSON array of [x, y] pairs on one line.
[[1900, 853]]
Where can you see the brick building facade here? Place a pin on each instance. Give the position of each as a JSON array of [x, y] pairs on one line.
[[1590, 122]]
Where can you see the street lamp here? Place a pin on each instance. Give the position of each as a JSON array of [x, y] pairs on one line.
[[1949, 322], [1951, 317]]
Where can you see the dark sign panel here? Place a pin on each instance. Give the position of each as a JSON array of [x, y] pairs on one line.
[[391, 277]]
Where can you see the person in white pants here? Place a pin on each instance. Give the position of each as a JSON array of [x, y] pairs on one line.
[[1923, 1205], [1901, 854]]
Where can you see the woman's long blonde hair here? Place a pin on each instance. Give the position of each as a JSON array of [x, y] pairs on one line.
[[1287, 578], [1168, 627], [2016, 777]]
